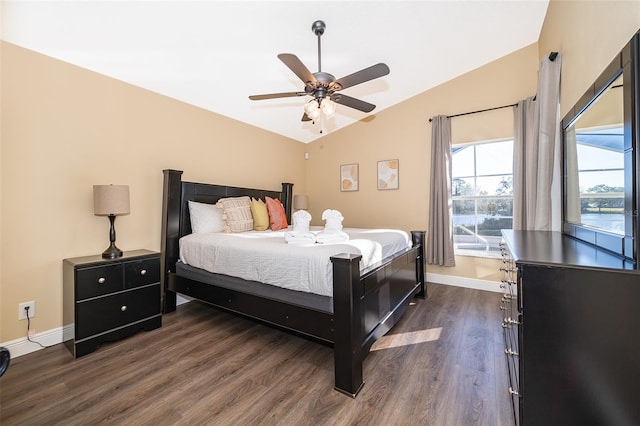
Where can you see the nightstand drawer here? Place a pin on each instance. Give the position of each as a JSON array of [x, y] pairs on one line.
[[105, 313], [141, 272], [91, 282]]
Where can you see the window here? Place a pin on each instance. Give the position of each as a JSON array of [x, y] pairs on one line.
[[482, 195]]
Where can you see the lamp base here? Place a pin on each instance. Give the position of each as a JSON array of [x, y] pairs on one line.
[[112, 252]]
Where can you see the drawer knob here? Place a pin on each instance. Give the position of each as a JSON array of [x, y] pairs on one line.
[[102, 280], [123, 308], [511, 352], [143, 272], [512, 321]]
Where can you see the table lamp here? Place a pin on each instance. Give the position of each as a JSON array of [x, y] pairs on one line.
[[111, 201], [300, 202]]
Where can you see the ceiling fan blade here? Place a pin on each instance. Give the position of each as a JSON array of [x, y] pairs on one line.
[[374, 71], [297, 67], [345, 100], [276, 95], [305, 117]]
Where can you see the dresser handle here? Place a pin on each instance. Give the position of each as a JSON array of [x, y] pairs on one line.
[[512, 321], [512, 392], [102, 280], [508, 351], [123, 308], [143, 272], [505, 325]]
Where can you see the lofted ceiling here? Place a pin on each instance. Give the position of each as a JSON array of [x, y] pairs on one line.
[[214, 54]]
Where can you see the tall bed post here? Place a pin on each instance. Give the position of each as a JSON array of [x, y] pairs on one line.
[[287, 200], [170, 233], [347, 323], [418, 237]]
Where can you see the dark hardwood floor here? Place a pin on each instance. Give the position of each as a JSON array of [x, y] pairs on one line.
[[441, 365]]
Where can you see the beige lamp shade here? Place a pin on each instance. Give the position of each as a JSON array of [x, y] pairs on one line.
[[110, 200], [300, 202]]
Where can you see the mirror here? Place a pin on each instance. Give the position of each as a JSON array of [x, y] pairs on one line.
[[594, 152], [601, 171]]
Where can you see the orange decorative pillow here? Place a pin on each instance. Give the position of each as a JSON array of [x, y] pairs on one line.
[[277, 217]]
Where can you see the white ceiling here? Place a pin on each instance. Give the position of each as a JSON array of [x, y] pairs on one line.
[[214, 54]]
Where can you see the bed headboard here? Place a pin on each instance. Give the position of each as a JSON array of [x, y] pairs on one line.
[[175, 211]]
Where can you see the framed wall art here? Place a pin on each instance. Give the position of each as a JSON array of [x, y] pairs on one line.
[[388, 173], [349, 177]]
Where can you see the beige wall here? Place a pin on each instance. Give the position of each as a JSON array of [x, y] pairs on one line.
[[404, 132], [65, 129], [589, 34]]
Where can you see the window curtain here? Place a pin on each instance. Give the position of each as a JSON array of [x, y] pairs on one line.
[[573, 188], [440, 234], [537, 202]]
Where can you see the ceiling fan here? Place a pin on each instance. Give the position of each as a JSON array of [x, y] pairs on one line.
[[324, 87]]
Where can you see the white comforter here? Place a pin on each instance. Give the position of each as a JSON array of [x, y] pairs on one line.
[[266, 257]]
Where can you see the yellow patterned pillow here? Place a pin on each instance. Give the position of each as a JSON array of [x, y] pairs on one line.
[[237, 213], [260, 215]]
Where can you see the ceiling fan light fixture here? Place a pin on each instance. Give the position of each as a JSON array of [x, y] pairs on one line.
[[312, 109], [328, 107]]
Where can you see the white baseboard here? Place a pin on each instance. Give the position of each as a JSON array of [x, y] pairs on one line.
[[55, 336], [23, 346], [51, 337], [473, 283]]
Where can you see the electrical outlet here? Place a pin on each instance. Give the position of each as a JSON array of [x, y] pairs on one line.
[[22, 313]]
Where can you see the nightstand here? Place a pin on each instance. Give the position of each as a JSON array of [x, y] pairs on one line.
[[109, 299]]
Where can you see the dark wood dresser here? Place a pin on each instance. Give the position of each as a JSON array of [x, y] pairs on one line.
[[571, 321], [109, 299]]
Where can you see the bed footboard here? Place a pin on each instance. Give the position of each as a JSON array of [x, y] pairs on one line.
[[367, 306]]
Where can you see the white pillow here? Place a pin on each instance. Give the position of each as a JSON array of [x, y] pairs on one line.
[[205, 218]]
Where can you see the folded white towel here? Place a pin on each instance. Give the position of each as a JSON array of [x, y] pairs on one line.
[[333, 220], [296, 237], [301, 220], [330, 236]]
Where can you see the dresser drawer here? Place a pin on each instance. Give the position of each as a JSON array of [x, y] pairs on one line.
[[105, 313], [141, 272], [99, 280]]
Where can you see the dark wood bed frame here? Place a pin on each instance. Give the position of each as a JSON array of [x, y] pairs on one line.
[[365, 305]]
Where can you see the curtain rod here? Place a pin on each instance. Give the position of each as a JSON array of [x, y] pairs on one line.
[[481, 110], [552, 57]]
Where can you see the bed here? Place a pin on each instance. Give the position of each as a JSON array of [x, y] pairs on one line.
[[362, 306]]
